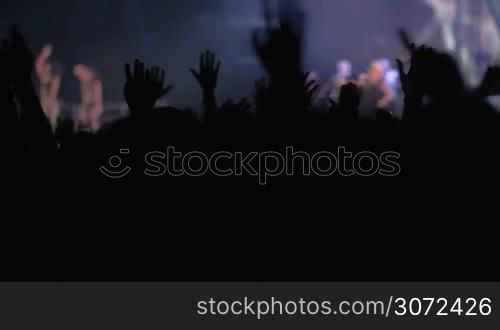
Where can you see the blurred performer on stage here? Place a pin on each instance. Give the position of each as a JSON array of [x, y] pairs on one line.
[[393, 82], [49, 74], [330, 90], [391, 74], [376, 93], [343, 75], [91, 106]]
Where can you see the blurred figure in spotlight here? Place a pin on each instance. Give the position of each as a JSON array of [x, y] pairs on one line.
[[343, 75], [392, 79], [91, 104], [376, 93], [391, 74], [49, 74], [331, 89]]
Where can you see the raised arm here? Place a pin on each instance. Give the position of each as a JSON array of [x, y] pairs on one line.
[[144, 87], [42, 59], [34, 124], [207, 76]]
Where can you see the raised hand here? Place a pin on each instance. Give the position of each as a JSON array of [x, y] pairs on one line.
[[413, 83], [207, 76], [144, 87], [422, 68], [432, 73], [279, 47], [208, 73]]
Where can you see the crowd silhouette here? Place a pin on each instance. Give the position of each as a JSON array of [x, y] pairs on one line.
[[63, 220]]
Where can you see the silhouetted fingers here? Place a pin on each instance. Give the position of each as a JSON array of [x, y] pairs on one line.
[[401, 68], [212, 60], [152, 74], [195, 74], [201, 61], [167, 89], [162, 76], [406, 40], [217, 67], [128, 73], [267, 15], [141, 72], [257, 43], [208, 60], [156, 74], [136, 69], [413, 48]]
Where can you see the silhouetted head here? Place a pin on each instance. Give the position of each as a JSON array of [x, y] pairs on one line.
[[350, 97]]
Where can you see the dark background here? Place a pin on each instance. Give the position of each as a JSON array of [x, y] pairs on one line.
[[107, 33]]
